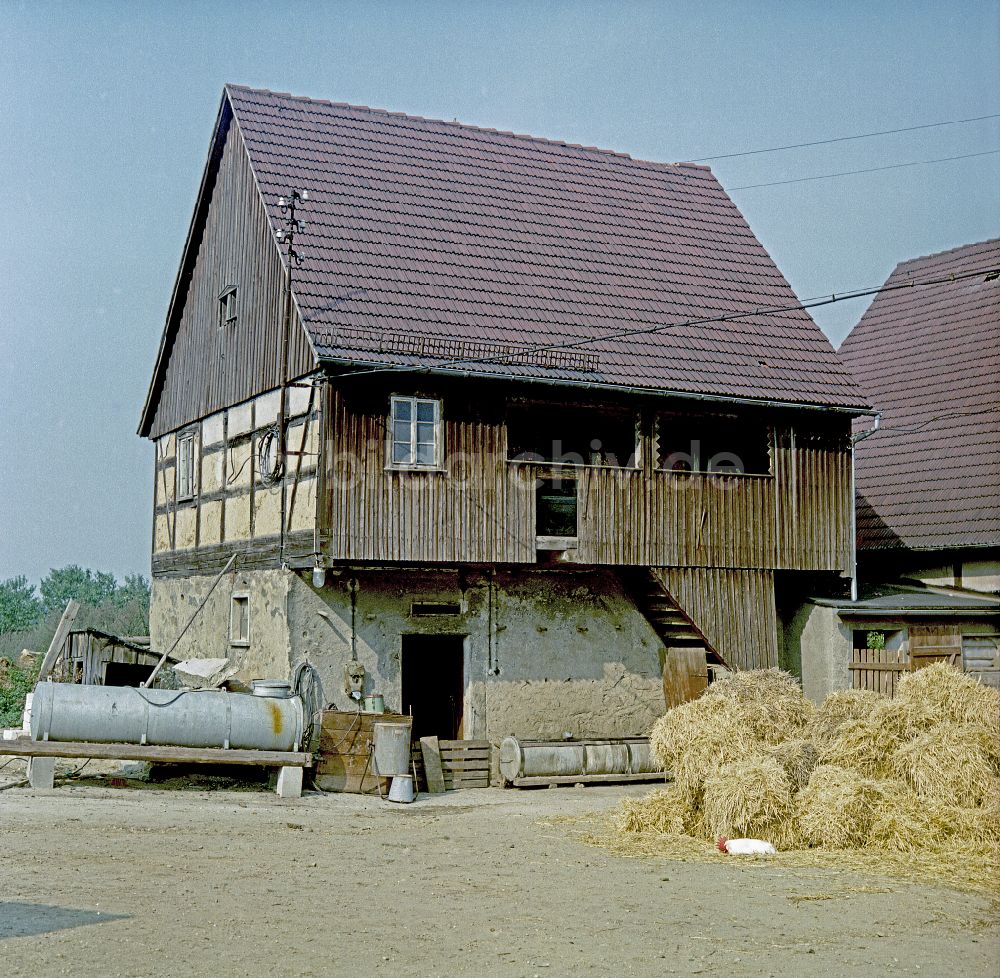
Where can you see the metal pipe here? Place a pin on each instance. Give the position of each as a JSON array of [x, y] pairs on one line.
[[855, 438]]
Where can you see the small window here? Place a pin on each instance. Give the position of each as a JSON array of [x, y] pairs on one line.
[[555, 508], [421, 609], [185, 466], [227, 306], [415, 433], [239, 620]]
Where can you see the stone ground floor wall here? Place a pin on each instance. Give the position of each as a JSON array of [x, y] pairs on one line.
[[547, 652]]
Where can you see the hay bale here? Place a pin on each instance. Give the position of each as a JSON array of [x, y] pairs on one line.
[[666, 810], [865, 746], [750, 797], [839, 708], [943, 693], [837, 807], [951, 763], [910, 824], [797, 757], [692, 740], [770, 700]]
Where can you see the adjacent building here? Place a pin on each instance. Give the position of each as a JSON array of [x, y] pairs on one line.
[[927, 354]]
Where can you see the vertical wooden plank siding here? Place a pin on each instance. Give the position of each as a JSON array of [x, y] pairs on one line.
[[734, 609], [481, 507], [471, 510], [212, 366], [813, 485]]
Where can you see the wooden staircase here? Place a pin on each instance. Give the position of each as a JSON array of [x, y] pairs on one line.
[[690, 661]]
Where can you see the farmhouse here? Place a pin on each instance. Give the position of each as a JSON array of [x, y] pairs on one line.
[[523, 436]]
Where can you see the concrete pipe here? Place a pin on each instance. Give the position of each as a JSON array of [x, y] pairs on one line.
[[165, 717]]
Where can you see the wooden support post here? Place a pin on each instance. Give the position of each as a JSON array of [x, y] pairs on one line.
[[59, 639]]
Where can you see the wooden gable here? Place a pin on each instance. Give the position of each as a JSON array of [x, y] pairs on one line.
[[205, 363]]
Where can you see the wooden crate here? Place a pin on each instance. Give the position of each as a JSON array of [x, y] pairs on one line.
[[465, 763], [343, 761]]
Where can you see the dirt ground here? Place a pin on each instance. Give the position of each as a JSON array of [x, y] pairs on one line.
[[120, 881]]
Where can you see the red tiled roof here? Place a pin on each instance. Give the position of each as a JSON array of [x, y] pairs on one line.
[[930, 361], [430, 240]]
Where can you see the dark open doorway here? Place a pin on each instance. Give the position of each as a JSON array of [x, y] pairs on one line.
[[433, 672]]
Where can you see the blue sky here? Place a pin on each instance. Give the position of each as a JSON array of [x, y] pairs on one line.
[[106, 110]]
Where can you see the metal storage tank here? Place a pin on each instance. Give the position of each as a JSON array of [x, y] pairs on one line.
[[165, 717]]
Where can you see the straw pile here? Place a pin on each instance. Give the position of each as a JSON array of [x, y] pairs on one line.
[[918, 774]]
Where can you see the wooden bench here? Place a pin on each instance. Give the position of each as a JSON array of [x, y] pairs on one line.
[[41, 775]]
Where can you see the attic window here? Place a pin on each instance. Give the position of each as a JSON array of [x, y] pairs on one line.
[[227, 306]]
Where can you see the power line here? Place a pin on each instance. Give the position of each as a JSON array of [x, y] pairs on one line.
[[844, 139], [871, 169], [911, 429], [649, 330]]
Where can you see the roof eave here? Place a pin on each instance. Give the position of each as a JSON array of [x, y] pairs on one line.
[[852, 411]]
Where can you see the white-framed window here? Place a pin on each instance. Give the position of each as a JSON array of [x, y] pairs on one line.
[[239, 620], [186, 483], [227, 305], [415, 433]]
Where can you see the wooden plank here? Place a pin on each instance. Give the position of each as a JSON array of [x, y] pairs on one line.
[[878, 666], [59, 639], [587, 779], [685, 675], [148, 752], [464, 745], [434, 776]]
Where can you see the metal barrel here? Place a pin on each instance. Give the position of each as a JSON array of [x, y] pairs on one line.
[[391, 743], [165, 717]]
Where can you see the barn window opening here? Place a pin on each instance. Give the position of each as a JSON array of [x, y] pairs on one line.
[[555, 508], [415, 433], [185, 466], [570, 435], [227, 306], [239, 620], [716, 445]]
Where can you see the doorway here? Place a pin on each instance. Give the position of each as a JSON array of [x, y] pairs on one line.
[[433, 674]]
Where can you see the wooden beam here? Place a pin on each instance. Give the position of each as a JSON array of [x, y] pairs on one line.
[[431, 751], [59, 639], [147, 752]]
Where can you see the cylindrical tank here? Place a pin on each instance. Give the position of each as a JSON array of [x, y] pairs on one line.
[[640, 758], [529, 759], [165, 717], [606, 758]]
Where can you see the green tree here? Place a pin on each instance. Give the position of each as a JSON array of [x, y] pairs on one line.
[[20, 608], [74, 583]]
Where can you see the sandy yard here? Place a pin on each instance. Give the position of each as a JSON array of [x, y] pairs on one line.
[[103, 881]]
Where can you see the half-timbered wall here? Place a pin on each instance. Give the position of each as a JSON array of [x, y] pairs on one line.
[[212, 364], [232, 507]]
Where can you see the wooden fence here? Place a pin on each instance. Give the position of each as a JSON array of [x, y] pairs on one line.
[[878, 669]]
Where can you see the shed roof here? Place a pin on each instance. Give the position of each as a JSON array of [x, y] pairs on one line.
[[930, 361], [429, 242]]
